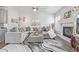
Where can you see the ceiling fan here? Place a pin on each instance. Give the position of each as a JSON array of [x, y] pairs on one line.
[[41, 9], [35, 8]]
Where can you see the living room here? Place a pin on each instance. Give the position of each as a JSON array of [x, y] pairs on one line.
[[37, 26]]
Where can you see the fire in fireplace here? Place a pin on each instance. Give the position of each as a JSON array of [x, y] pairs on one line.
[[67, 31]]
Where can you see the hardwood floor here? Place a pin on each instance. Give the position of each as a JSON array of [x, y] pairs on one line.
[[2, 44]]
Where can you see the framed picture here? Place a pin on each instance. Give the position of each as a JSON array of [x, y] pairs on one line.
[[14, 20]]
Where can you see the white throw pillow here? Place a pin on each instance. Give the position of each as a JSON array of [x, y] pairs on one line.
[[51, 34]]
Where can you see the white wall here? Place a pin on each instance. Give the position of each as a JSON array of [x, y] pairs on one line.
[[12, 13], [44, 18]]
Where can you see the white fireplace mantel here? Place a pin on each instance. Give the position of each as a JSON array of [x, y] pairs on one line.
[[66, 23]]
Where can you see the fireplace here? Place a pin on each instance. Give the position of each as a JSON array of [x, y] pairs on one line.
[[67, 31]]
